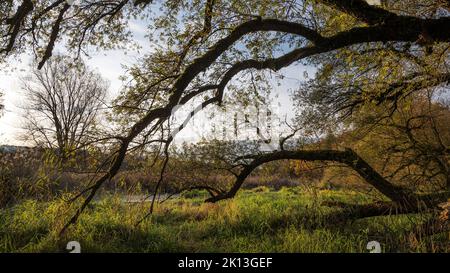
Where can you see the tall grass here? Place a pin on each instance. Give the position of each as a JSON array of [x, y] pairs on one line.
[[257, 220]]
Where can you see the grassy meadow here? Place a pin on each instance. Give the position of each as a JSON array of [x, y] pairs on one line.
[[258, 220]]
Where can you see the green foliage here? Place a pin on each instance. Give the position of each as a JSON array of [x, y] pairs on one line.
[[195, 194], [349, 81], [98, 24], [290, 220]]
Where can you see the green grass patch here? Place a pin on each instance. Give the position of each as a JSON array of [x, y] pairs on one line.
[[261, 220]]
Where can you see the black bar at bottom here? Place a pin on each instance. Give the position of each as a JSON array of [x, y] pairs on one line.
[[219, 262]]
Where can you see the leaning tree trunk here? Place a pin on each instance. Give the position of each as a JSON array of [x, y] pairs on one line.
[[404, 199]]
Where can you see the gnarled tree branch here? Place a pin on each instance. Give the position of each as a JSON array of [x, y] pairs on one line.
[[399, 28], [348, 157]]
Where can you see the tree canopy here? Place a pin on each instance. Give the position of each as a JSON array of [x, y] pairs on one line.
[[365, 55]]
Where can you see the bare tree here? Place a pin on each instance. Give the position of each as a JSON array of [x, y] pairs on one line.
[[63, 103]]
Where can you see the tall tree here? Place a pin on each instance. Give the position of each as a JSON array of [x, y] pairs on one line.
[[63, 102], [376, 85], [208, 43], [236, 38]]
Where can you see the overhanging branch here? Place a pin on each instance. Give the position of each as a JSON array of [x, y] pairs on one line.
[[348, 157], [401, 29]]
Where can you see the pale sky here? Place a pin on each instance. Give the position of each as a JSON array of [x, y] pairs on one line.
[[109, 65]]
